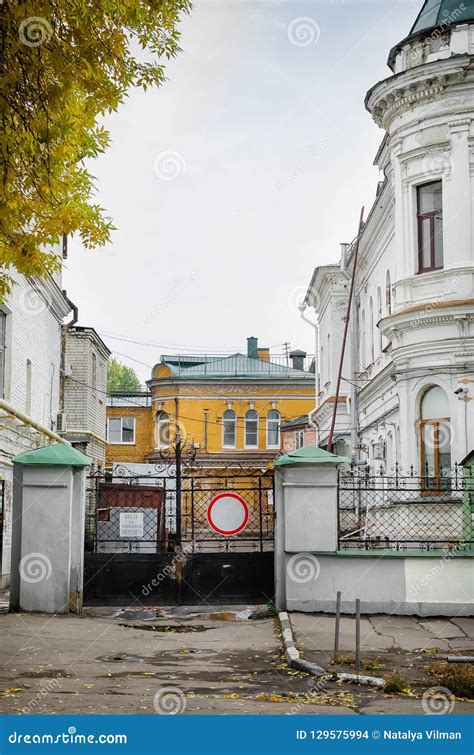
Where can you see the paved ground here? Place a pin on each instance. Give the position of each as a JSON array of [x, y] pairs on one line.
[[112, 661], [410, 647]]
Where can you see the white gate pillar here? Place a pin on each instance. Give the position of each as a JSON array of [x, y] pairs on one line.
[[306, 518], [48, 529]]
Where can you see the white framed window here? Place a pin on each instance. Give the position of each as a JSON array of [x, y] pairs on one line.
[[229, 429], [273, 429], [251, 429], [162, 430], [121, 430], [299, 439]]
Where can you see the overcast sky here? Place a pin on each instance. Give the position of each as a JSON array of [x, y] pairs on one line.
[[234, 180]]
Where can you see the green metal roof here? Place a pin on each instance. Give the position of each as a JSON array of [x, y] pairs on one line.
[[238, 366], [310, 455], [296, 422], [57, 454], [443, 13], [435, 15]]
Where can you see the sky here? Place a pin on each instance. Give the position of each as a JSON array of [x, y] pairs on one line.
[[230, 183]]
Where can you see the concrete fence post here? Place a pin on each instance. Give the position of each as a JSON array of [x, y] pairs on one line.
[[306, 519], [48, 529]]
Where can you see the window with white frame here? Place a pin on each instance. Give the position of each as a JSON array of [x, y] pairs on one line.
[[229, 429], [251, 429], [162, 430], [299, 439], [273, 429], [121, 430]]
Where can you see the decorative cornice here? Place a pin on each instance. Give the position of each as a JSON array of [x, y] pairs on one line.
[[394, 95]]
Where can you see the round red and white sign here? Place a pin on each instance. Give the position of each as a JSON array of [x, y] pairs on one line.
[[227, 514]]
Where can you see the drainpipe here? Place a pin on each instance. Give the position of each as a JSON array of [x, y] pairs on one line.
[[315, 325], [65, 329], [353, 336]]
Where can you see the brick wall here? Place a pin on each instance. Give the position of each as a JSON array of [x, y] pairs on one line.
[[289, 438], [143, 435]]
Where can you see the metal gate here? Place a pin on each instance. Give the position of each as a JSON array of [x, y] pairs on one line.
[[152, 538]]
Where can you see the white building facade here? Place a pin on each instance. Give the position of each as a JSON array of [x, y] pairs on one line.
[[30, 365], [407, 387]]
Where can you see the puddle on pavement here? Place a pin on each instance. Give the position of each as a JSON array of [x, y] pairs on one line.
[[120, 658], [170, 628], [154, 614]]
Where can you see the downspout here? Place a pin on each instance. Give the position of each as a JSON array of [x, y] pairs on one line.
[[354, 339], [65, 330], [315, 326], [346, 328]]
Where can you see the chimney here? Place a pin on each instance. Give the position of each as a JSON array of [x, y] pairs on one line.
[[297, 359], [252, 347], [263, 355]]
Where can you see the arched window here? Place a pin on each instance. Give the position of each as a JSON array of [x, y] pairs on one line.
[[251, 429], [371, 331], [388, 294], [273, 429], [229, 429], [379, 315], [435, 429], [363, 363], [162, 430]]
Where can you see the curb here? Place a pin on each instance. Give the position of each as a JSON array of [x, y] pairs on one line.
[[295, 661], [291, 652]]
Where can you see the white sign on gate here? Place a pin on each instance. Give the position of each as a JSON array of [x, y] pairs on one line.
[[131, 524]]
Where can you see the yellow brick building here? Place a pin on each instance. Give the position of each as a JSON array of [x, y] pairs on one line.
[[228, 409]]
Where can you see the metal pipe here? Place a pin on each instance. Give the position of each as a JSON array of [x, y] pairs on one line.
[[315, 326], [344, 337], [9, 409], [357, 663], [338, 624]]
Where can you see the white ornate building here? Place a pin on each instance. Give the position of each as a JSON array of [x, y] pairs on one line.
[[407, 390]]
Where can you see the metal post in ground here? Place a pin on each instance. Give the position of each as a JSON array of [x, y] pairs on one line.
[[357, 662], [338, 623]]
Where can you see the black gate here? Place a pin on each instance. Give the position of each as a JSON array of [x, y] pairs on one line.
[[159, 539]]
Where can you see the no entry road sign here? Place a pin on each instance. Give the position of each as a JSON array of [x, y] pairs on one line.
[[227, 514]]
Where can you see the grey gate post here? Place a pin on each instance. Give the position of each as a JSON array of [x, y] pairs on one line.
[[306, 520], [48, 529]]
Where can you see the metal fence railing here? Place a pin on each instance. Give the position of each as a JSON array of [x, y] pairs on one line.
[[405, 511]]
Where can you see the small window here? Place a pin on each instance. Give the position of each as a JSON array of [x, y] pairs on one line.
[[229, 427], [430, 227], [162, 430], [121, 430], [371, 331], [94, 372], [251, 429], [273, 429], [299, 439]]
